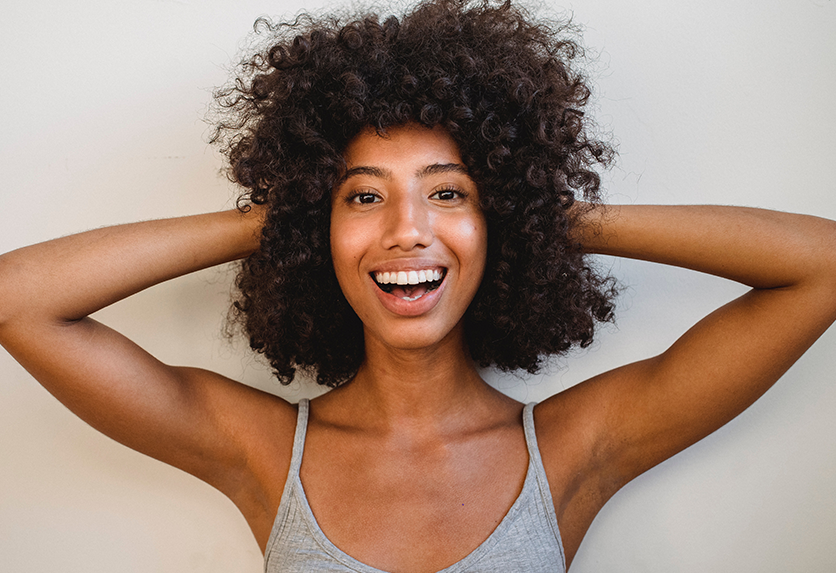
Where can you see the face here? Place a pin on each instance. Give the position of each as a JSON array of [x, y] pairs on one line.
[[408, 237]]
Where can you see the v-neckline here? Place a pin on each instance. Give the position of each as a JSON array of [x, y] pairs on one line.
[[480, 551], [297, 489]]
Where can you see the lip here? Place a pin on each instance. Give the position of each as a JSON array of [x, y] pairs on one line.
[[408, 308]]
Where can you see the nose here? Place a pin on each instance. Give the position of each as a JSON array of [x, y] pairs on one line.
[[408, 224]]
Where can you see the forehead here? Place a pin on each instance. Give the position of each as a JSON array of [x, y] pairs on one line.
[[409, 144]]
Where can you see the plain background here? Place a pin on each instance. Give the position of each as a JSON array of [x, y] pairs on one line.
[[709, 102]]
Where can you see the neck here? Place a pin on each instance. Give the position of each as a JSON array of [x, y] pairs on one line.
[[416, 387]]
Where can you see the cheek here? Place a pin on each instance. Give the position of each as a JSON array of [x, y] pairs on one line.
[[347, 243], [471, 236]]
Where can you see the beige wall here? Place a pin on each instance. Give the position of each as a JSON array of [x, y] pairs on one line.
[[711, 102]]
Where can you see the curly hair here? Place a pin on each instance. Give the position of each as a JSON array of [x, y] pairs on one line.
[[505, 88]]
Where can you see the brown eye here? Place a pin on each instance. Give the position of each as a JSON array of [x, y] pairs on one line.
[[448, 194], [364, 198]]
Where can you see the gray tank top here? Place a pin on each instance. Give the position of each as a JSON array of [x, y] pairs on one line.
[[527, 539]]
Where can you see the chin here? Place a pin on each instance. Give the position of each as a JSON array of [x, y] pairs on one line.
[[410, 338]]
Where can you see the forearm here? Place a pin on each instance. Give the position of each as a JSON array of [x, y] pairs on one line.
[[71, 277], [760, 248]]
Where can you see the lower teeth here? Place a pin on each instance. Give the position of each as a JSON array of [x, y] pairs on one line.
[[410, 299]]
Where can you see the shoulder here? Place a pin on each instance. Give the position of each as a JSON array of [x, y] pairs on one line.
[[574, 443], [244, 415], [252, 446], [251, 432]]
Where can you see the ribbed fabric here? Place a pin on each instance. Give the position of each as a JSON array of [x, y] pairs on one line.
[[527, 539]]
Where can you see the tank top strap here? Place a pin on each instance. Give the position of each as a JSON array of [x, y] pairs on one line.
[[281, 520], [299, 439], [530, 435], [535, 464], [527, 537]]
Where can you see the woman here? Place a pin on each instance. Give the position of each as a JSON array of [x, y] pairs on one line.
[[413, 460]]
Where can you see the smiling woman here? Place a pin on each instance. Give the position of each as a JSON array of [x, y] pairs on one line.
[[419, 198], [508, 95], [407, 207]]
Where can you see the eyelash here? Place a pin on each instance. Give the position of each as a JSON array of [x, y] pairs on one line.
[[451, 189], [352, 197]]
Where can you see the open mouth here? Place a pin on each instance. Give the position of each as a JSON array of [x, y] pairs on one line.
[[409, 285]]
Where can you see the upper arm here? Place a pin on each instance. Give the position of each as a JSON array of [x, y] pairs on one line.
[[196, 420], [638, 415], [600, 434], [718, 368]]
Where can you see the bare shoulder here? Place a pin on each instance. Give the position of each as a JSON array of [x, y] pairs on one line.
[[258, 425], [240, 402], [571, 430], [571, 422], [257, 430]]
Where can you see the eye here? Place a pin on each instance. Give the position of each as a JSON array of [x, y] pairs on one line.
[[448, 194], [362, 197]]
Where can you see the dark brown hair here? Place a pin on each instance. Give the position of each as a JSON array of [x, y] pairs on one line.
[[503, 85]]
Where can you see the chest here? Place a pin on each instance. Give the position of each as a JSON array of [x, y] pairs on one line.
[[411, 506]]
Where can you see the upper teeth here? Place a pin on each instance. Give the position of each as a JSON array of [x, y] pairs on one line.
[[407, 277]]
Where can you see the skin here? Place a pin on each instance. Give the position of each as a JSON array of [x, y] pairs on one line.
[[417, 442], [432, 434]]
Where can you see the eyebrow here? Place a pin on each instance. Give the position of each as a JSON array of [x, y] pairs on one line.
[[432, 169], [437, 168]]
